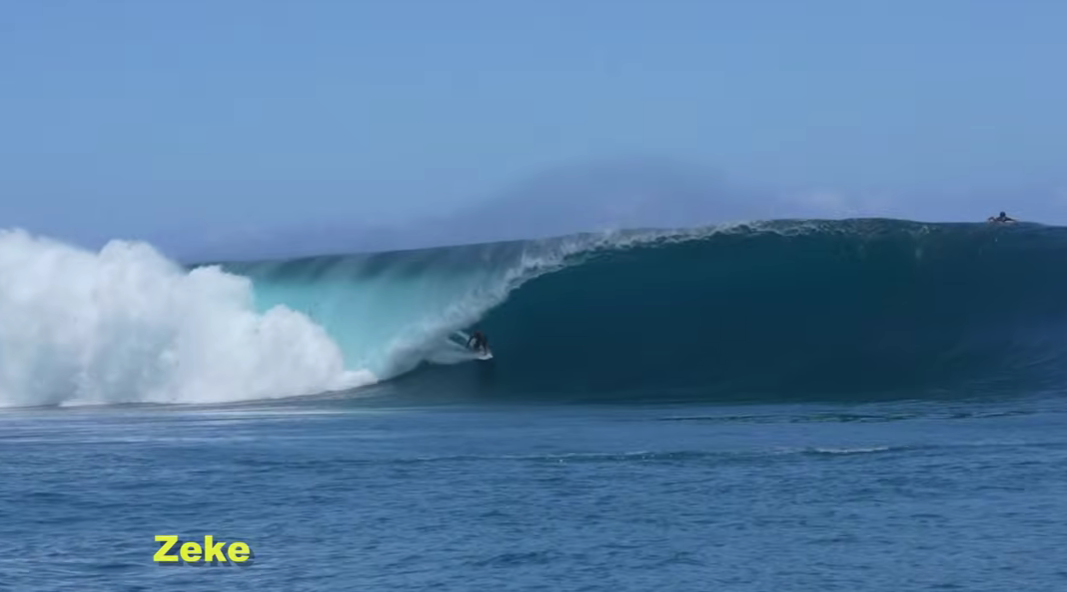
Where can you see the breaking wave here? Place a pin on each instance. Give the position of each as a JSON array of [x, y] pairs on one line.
[[785, 307]]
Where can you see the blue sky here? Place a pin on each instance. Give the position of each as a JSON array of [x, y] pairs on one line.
[[184, 122]]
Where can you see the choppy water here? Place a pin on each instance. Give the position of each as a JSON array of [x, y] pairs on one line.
[[332, 494]]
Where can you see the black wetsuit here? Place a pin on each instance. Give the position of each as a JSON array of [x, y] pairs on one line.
[[478, 341]]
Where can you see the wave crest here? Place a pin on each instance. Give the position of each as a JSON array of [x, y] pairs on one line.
[[786, 307]]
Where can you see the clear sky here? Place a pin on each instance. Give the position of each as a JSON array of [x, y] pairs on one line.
[[183, 121]]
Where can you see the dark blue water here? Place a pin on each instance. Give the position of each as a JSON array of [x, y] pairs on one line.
[[864, 405], [336, 494], [781, 309]]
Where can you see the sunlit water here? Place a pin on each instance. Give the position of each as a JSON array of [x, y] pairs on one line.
[[333, 495]]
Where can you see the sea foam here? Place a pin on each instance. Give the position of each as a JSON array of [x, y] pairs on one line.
[[126, 324]]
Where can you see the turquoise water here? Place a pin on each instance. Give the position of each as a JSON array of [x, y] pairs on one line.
[[785, 309], [869, 405]]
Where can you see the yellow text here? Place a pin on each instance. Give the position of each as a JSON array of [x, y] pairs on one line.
[[174, 551]]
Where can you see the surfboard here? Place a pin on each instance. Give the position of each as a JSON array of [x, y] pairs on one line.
[[460, 338]]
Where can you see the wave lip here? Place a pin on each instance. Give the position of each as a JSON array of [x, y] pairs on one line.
[[783, 308], [392, 312]]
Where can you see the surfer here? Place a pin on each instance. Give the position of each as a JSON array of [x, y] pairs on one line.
[[479, 341], [1001, 218]]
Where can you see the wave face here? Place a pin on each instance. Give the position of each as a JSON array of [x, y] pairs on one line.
[[796, 309], [785, 308]]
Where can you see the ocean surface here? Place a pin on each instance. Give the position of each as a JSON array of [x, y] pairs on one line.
[[788, 405]]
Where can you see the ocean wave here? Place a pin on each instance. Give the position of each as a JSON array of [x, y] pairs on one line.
[[127, 325], [789, 308]]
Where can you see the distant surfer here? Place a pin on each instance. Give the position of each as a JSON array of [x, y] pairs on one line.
[[1001, 219], [478, 341]]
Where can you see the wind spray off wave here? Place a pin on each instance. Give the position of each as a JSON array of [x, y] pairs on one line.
[[770, 309], [391, 312], [127, 325]]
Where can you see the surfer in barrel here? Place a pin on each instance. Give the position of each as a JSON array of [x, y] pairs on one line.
[[478, 341]]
